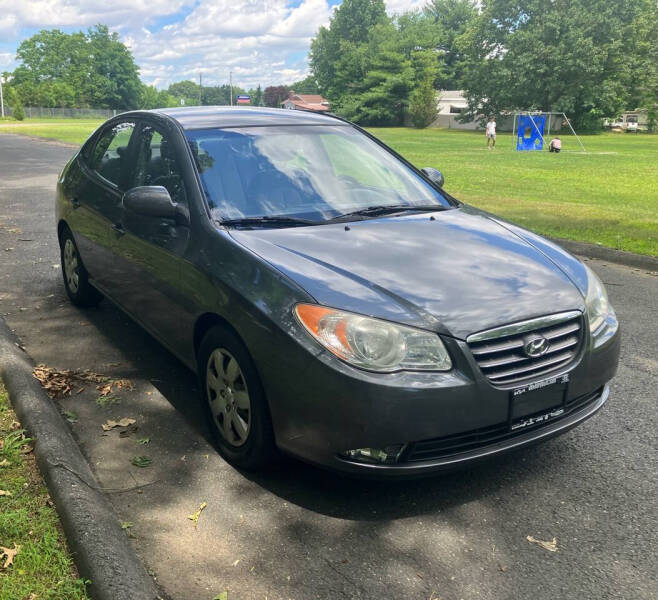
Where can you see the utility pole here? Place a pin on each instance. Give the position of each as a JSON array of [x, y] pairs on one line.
[[230, 85], [200, 86], [2, 100]]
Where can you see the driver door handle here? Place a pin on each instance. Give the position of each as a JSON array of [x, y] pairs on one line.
[[75, 203]]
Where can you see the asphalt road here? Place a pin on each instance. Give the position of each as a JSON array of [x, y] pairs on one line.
[[304, 534]]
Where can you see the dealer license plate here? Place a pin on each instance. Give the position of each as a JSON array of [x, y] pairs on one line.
[[538, 402]]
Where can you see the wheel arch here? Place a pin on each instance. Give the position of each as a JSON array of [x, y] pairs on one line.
[[62, 226], [207, 321]]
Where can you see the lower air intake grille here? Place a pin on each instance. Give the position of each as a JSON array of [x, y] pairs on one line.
[[525, 351], [466, 441]]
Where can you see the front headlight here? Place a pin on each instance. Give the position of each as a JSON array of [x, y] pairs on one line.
[[601, 316], [374, 344]]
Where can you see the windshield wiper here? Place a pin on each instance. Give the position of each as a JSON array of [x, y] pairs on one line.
[[375, 211], [267, 220]]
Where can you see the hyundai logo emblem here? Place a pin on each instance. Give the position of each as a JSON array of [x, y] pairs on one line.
[[536, 346]]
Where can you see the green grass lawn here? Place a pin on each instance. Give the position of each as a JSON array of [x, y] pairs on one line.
[[74, 131], [42, 568], [607, 196]]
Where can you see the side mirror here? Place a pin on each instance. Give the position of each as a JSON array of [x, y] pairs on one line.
[[155, 201], [434, 175]]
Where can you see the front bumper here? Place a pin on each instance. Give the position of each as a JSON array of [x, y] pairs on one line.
[[325, 408]]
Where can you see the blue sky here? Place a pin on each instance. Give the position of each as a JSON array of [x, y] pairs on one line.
[[261, 41]]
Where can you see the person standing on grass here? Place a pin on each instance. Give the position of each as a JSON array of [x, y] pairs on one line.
[[490, 132]]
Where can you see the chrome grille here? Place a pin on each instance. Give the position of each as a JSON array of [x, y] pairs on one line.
[[501, 356]]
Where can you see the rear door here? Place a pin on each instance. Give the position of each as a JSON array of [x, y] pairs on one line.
[[97, 202], [150, 251]]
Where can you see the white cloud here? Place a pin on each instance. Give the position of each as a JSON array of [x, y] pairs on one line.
[[260, 41]]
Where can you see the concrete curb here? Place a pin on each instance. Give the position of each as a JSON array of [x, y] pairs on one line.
[[621, 257], [100, 547]]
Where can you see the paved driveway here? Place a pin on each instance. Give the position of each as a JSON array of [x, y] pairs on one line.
[[301, 533]]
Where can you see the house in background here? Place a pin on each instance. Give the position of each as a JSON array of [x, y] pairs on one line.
[[314, 102], [450, 104]]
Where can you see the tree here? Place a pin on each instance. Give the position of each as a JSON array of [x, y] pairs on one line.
[[256, 96], [151, 97], [350, 27], [114, 77], [423, 108], [187, 90], [77, 69], [379, 96], [17, 109], [308, 85], [449, 20], [579, 57], [274, 95]]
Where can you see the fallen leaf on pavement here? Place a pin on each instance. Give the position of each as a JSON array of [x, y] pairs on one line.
[[104, 401], [128, 432], [59, 384], [235, 563], [195, 516], [71, 416], [127, 526], [118, 384], [222, 596], [144, 441], [141, 461], [550, 546], [110, 424], [9, 554]]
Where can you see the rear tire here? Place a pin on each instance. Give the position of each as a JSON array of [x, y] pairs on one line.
[[76, 278], [234, 401]]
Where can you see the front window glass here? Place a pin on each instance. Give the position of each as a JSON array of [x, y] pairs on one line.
[[157, 164], [309, 172], [109, 158]]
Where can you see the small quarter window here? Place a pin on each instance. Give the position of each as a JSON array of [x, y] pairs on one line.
[[109, 158]]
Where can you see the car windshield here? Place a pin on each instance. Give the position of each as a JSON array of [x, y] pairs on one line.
[[311, 173]]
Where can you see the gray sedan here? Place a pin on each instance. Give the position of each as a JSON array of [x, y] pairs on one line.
[[337, 304]]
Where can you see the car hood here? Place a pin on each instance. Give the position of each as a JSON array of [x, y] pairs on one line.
[[458, 273]]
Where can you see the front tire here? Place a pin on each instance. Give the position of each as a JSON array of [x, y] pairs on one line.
[[76, 278], [234, 401]]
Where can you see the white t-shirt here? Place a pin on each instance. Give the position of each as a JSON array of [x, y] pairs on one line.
[[491, 128]]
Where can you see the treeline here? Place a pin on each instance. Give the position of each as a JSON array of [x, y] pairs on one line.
[[376, 69], [587, 58], [94, 69]]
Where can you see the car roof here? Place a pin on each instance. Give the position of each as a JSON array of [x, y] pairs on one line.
[[204, 117]]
